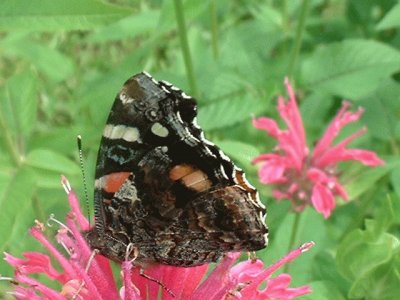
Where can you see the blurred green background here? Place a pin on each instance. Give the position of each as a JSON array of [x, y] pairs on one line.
[[62, 63]]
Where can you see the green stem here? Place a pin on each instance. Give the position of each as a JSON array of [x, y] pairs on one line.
[[214, 28], [180, 18], [11, 147], [293, 237], [299, 38]]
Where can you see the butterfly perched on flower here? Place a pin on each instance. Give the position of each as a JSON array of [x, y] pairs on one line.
[[164, 189]]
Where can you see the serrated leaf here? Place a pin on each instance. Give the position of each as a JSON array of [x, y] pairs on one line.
[[392, 19], [351, 69], [52, 161], [53, 15], [228, 112]]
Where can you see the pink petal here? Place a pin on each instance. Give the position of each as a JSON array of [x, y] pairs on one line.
[[251, 291], [339, 153], [98, 278], [43, 289], [341, 119], [74, 204], [65, 264], [23, 293], [272, 172], [296, 152], [291, 115], [218, 283], [322, 200], [277, 194], [35, 263], [267, 124], [129, 290], [183, 281]]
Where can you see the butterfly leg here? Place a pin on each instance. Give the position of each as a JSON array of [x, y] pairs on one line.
[[141, 273]]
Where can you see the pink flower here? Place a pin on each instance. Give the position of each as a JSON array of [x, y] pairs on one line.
[[303, 177], [82, 274]]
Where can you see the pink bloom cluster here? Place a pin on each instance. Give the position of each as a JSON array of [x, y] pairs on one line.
[[84, 275], [303, 177]]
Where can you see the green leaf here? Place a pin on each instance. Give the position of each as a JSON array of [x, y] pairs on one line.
[[228, 112], [127, 28], [392, 19], [360, 253], [350, 69], [358, 184], [54, 64], [52, 15], [381, 283], [16, 210], [192, 9], [323, 290], [381, 110], [20, 109], [52, 161], [241, 152]]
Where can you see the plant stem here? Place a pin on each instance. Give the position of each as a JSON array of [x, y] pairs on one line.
[[299, 38], [180, 18], [214, 28], [12, 149], [293, 237]]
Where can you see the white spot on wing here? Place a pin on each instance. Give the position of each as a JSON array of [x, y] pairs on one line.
[[98, 183], [159, 130], [129, 134], [125, 99]]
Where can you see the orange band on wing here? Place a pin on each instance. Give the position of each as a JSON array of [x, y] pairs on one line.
[[114, 181]]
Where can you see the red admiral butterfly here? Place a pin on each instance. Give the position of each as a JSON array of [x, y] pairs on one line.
[[165, 189]]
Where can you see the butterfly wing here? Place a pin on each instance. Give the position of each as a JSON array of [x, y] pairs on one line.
[[163, 187]]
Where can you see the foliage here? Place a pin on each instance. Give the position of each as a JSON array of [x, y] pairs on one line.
[[61, 66]]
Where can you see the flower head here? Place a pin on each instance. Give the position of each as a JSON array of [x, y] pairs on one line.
[[303, 177], [83, 274]]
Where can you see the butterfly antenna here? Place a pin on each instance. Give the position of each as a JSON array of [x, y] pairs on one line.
[[79, 141]]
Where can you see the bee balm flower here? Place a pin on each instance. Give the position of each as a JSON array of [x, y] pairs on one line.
[[84, 274], [305, 177]]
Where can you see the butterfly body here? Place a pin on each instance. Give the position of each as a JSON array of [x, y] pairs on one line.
[[165, 189]]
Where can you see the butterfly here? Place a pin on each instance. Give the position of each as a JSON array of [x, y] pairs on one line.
[[163, 188]]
